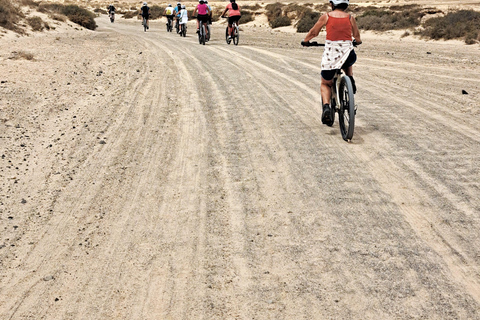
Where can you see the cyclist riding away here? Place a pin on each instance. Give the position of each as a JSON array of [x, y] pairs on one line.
[[233, 15], [145, 12], [202, 14], [176, 11], [111, 8], [339, 54], [169, 13], [183, 17], [111, 12]]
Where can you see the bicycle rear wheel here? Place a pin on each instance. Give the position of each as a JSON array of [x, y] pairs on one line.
[[226, 36], [236, 34], [203, 34], [346, 112], [144, 25]]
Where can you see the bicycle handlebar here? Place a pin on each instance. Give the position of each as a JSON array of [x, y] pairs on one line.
[[312, 44], [316, 44]]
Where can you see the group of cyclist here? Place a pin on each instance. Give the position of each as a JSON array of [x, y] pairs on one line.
[[203, 12], [342, 36]]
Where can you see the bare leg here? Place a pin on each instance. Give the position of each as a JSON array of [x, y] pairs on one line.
[[326, 90]]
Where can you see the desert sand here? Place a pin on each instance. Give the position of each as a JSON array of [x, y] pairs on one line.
[[144, 176]]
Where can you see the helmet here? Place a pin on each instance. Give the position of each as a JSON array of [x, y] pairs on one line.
[[178, 3], [183, 6], [232, 1], [337, 2], [169, 5], [145, 4], [206, 1]]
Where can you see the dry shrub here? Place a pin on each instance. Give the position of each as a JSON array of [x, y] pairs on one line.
[[29, 3], [276, 16], [274, 10], [156, 12], [37, 24], [57, 17], [16, 55], [100, 10], [10, 15], [455, 25], [251, 8], [281, 21], [73, 12], [80, 16], [397, 17], [247, 16], [307, 21], [130, 14]]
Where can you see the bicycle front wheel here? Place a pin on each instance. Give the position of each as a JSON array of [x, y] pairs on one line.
[[346, 112], [236, 35]]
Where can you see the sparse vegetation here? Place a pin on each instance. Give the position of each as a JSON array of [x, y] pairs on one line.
[[247, 16], [455, 25], [395, 18], [16, 55], [80, 16], [156, 12], [307, 21], [73, 12], [10, 15], [130, 14], [276, 16], [100, 11], [37, 24]]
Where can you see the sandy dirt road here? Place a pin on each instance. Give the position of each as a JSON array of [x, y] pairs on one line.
[[144, 176]]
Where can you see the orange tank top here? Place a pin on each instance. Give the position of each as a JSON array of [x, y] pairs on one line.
[[339, 28]]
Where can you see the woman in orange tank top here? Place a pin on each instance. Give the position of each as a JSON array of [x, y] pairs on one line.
[[339, 54]]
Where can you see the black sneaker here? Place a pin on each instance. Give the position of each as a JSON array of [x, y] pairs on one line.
[[327, 115]]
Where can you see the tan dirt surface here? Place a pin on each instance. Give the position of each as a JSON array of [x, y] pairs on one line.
[[144, 176]]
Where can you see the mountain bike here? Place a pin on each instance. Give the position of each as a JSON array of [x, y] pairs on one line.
[[169, 25], [183, 30], [235, 36], [202, 34], [112, 16], [342, 100], [144, 23]]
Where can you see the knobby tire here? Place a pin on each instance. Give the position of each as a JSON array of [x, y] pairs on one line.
[[346, 112]]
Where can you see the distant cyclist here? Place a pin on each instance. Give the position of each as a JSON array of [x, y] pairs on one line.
[[145, 12], [202, 14], [169, 13], [339, 54], [233, 15], [111, 8], [111, 12], [176, 11]]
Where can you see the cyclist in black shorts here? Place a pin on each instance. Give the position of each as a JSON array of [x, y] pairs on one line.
[[145, 12], [233, 15], [202, 13]]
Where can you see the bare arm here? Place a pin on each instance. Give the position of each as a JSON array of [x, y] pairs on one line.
[[355, 31], [322, 21]]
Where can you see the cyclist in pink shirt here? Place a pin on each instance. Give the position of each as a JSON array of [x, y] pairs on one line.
[[233, 15], [202, 12]]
